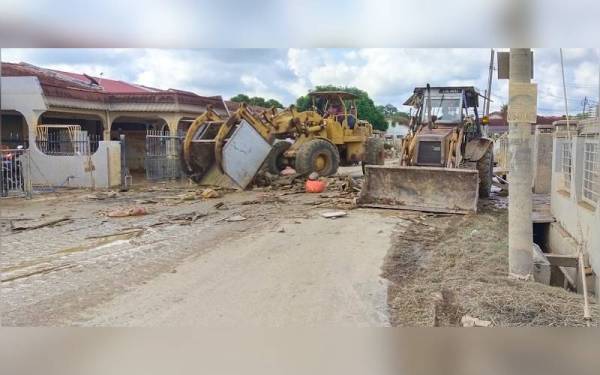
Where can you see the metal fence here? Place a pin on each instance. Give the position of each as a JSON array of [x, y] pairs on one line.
[[15, 173], [163, 152], [64, 143]]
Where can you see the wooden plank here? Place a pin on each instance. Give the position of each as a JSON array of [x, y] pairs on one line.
[[562, 260]]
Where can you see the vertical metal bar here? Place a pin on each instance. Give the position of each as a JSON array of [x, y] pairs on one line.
[[29, 177]]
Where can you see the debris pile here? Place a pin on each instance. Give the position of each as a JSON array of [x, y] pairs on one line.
[[339, 191]]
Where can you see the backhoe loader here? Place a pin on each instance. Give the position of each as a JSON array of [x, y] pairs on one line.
[[229, 151], [445, 162]]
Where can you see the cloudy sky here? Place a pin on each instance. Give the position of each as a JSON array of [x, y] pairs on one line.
[[387, 74]]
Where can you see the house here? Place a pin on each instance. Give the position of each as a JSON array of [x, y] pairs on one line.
[[104, 109]]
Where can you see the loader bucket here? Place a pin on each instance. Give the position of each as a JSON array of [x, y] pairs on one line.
[[426, 189]]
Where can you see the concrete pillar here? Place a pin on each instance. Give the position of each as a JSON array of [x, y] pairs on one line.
[[520, 228], [106, 124], [172, 121]]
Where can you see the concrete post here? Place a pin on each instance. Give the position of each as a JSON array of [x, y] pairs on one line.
[[520, 228], [542, 159]]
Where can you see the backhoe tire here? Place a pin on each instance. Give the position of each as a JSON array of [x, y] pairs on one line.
[[374, 152], [318, 156], [274, 162], [485, 167]]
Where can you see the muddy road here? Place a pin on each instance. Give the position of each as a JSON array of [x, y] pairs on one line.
[[186, 263]]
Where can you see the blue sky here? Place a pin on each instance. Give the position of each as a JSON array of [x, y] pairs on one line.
[[388, 74]]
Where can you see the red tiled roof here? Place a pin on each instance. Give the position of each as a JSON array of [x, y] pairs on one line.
[[81, 87], [107, 85]]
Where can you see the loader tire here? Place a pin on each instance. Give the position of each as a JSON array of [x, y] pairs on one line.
[[374, 152], [485, 167], [275, 162], [318, 156]]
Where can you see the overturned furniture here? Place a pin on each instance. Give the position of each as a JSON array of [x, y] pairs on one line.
[[229, 152], [445, 163]]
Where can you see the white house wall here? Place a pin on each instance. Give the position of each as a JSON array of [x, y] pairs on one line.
[[577, 223]]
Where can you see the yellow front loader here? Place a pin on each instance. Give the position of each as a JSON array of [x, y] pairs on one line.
[[229, 151], [445, 163]]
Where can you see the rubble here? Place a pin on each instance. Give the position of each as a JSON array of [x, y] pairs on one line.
[[102, 195], [333, 214], [132, 211], [469, 321], [235, 218], [38, 225], [209, 193]]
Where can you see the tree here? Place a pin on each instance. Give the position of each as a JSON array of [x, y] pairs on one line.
[[257, 101], [392, 114], [365, 106]]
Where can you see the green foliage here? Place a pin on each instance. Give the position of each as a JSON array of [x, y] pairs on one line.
[[364, 105], [256, 100], [391, 113]]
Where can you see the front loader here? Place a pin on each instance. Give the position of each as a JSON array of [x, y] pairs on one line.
[[229, 152], [445, 162]]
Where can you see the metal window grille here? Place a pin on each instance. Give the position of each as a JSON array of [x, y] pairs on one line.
[[566, 164], [67, 141], [591, 171]]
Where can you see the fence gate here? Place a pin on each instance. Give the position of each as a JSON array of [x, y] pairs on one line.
[[15, 173], [163, 152]]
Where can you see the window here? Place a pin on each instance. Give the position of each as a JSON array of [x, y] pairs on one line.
[[566, 164], [446, 110], [591, 171]]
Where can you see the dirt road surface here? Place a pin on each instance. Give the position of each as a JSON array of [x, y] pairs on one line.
[[319, 271], [185, 264]]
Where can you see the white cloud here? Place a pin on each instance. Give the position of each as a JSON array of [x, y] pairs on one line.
[[387, 74]]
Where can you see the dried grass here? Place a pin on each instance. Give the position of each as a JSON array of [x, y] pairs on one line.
[[446, 267]]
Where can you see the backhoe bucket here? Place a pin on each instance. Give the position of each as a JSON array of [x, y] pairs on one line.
[[426, 189]]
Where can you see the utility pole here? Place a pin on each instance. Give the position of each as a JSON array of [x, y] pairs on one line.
[[486, 110], [520, 227], [562, 70]]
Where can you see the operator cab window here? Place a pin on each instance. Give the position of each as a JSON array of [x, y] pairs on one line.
[[446, 110]]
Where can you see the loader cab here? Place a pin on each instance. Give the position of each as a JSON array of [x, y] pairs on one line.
[[337, 105], [443, 114], [450, 106]]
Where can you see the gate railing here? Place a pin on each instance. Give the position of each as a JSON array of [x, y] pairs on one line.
[[15, 173], [162, 160]]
